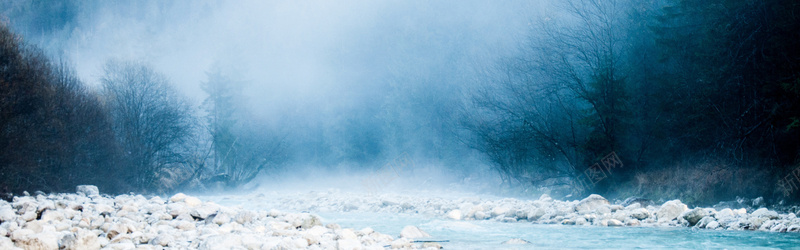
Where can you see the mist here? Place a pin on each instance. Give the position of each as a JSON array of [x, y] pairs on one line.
[[529, 96], [217, 124]]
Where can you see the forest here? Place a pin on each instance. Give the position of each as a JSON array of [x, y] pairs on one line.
[[663, 99]]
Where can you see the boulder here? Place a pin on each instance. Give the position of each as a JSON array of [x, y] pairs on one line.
[[310, 221], [7, 214], [39, 241], [412, 232], [87, 190], [591, 203], [346, 234], [348, 244], [536, 213], [639, 213], [202, 212], [227, 241], [693, 216], [454, 214], [766, 213], [6, 243], [614, 223], [702, 223], [177, 197], [724, 213], [192, 201], [162, 240], [500, 211], [670, 210], [221, 218]]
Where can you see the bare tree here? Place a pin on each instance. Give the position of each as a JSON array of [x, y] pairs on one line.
[[557, 106], [151, 121], [239, 147]]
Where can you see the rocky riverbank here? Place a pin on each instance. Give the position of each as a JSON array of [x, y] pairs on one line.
[[594, 210], [88, 220]]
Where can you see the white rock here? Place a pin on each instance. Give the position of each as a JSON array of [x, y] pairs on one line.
[[614, 223], [516, 241], [177, 197], [221, 218], [591, 203], [310, 221], [162, 240], [712, 225], [346, 234], [244, 217], [176, 209], [28, 216], [537, 213], [117, 229], [52, 215], [192, 201], [454, 214], [6, 243], [693, 216], [670, 210], [202, 212], [631, 222], [500, 211], [412, 232], [764, 212], [639, 213], [7, 214], [43, 241], [348, 244], [365, 231], [103, 208], [724, 213], [401, 243], [121, 246], [793, 228], [87, 190]]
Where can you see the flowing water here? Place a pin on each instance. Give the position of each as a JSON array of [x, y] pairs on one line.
[[489, 234]]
